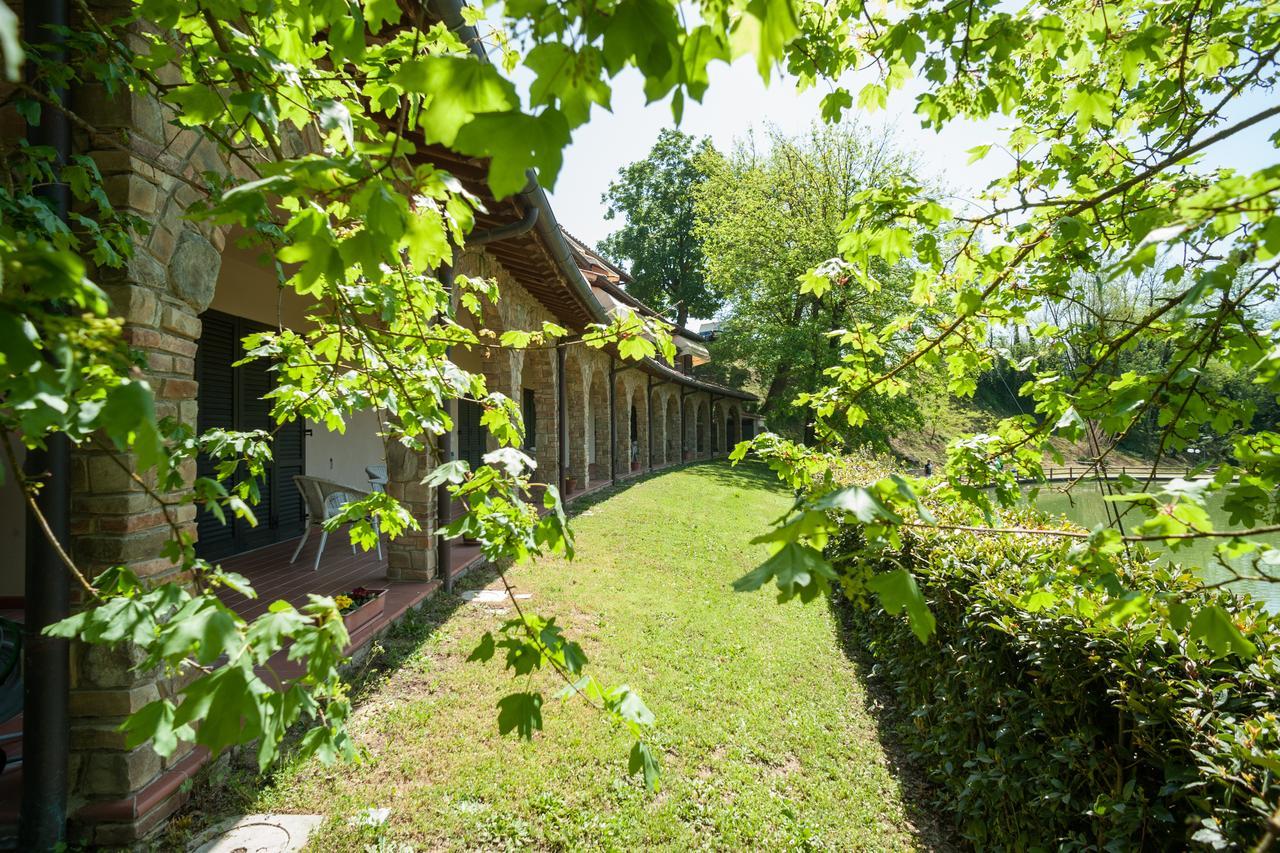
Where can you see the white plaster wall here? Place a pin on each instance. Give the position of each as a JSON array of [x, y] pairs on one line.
[[342, 457]]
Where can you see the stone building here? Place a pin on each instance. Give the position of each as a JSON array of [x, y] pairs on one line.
[[187, 296]]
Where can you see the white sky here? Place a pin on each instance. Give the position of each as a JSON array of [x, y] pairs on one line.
[[738, 101]]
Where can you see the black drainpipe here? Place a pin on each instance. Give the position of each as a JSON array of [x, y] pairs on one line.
[[47, 661], [444, 444], [562, 415]]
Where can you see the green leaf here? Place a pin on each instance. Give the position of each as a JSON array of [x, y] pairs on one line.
[[862, 503], [334, 115], [898, 591], [643, 760], [154, 723], [798, 570], [457, 88], [515, 142], [1214, 627], [196, 104]]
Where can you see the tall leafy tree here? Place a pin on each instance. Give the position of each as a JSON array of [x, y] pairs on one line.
[[769, 212], [655, 198]]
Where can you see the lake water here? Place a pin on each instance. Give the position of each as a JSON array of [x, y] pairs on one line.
[[1089, 509]]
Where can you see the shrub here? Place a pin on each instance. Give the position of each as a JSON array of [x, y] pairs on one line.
[[1049, 718]]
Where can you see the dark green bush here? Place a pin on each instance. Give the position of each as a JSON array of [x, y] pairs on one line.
[[1043, 726]]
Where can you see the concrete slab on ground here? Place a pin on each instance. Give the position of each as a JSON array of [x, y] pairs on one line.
[[259, 833]]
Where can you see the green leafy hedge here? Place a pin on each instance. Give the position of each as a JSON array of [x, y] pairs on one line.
[[1049, 718]]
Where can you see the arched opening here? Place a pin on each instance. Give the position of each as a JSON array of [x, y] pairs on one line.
[[733, 428], [632, 422], [700, 427], [673, 428], [597, 421], [635, 435], [657, 446]]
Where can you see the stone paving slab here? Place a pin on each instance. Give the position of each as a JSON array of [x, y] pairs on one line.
[[259, 833]]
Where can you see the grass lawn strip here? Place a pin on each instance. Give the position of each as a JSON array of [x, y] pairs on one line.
[[763, 728]]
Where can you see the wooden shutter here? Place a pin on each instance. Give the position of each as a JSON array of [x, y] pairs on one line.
[[233, 398], [471, 434], [215, 354]]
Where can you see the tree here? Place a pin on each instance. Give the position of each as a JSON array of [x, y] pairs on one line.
[[1114, 109], [655, 197], [766, 217]]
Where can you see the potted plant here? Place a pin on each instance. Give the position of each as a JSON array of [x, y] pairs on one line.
[[360, 606], [570, 484], [635, 466]]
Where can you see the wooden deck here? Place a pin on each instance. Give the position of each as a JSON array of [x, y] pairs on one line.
[[273, 577]]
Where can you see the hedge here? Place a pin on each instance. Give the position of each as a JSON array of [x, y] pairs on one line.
[[1043, 726]]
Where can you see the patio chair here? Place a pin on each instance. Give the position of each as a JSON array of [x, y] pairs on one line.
[[324, 500], [377, 477]]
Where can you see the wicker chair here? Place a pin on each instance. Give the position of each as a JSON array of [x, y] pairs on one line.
[[324, 500]]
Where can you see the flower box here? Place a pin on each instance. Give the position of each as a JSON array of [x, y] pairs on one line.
[[366, 605]]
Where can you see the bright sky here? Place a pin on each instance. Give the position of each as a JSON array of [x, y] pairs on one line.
[[739, 101]]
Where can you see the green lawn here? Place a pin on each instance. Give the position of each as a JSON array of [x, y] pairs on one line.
[[763, 726]]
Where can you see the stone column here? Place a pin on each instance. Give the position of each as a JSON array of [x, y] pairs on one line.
[[159, 294], [411, 556]]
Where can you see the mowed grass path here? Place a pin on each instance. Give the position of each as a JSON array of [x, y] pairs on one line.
[[762, 724]]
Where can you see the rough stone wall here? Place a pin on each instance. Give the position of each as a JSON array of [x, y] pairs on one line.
[[511, 371], [148, 166]]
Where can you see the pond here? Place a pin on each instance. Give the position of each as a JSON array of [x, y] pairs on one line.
[[1086, 507]]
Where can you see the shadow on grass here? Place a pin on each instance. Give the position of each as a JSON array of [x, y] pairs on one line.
[[932, 827]]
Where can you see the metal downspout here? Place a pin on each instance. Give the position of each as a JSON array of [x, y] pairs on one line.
[[47, 661], [444, 445], [562, 406]]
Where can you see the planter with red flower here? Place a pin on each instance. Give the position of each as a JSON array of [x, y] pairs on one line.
[[360, 606]]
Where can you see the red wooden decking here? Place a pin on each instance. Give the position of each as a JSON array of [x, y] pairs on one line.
[[272, 577]]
